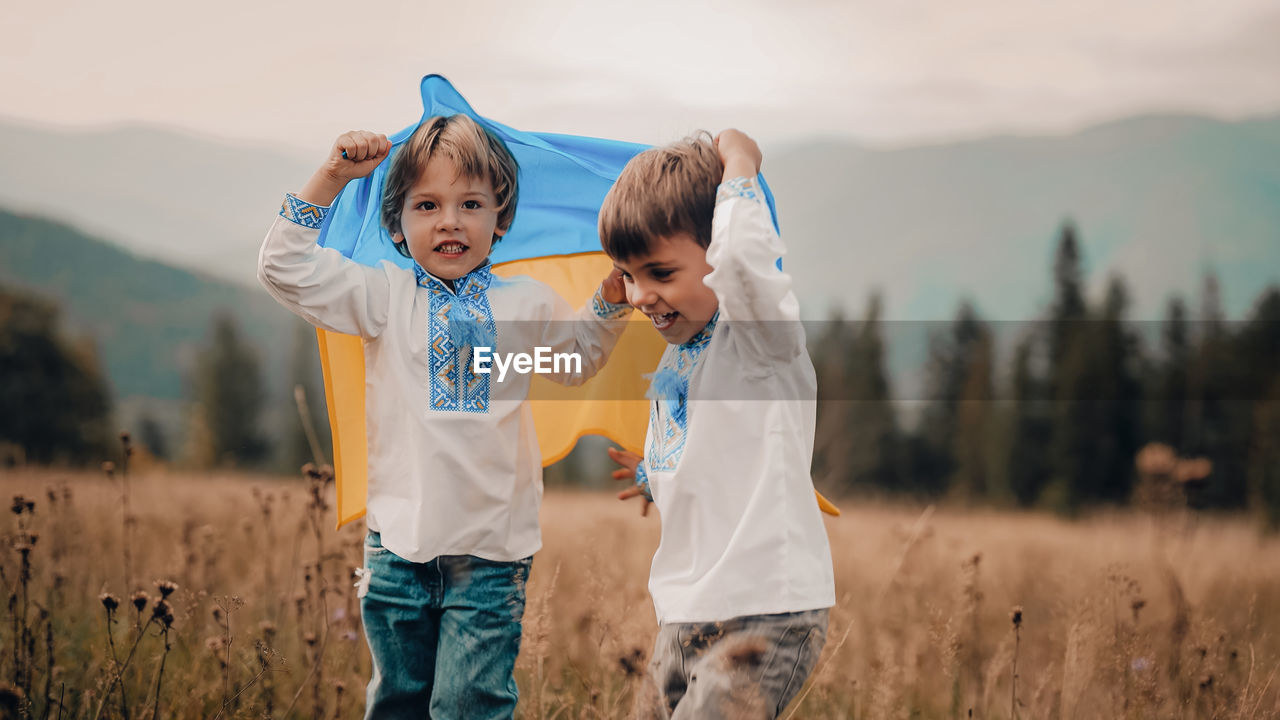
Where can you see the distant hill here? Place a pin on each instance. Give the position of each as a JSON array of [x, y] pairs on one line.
[[188, 201], [149, 320], [1159, 199]]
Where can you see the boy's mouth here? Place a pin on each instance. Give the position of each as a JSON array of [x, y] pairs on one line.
[[664, 321], [450, 249]]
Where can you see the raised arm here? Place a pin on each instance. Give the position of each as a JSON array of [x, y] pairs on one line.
[[318, 284], [755, 296]]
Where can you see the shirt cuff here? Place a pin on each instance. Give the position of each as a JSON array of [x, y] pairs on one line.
[[642, 480], [301, 212], [606, 310], [743, 187]]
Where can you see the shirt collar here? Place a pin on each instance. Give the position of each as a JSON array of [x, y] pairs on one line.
[[703, 336], [470, 285]]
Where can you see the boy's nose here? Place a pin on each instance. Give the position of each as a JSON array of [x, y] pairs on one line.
[[448, 219], [640, 295]]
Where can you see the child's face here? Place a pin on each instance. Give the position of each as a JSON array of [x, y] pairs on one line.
[[449, 221], [666, 284]]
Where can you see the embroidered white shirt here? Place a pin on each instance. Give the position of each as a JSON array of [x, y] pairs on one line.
[[454, 464], [728, 467]]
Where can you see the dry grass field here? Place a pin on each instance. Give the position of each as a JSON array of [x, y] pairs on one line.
[[1122, 616]]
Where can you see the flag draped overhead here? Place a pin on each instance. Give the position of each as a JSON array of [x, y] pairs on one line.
[[563, 181]]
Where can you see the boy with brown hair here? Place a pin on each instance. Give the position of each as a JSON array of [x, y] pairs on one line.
[[742, 579], [455, 477]]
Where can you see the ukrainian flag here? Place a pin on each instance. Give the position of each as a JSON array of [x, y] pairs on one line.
[[563, 181]]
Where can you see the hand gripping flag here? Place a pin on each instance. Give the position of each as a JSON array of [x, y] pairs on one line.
[[563, 181]]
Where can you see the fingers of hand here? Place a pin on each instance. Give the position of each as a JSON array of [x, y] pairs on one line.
[[630, 493], [644, 509], [360, 145], [624, 457], [623, 474]]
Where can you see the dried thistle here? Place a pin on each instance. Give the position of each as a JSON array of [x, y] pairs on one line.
[[166, 588], [139, 600], [163, 612]]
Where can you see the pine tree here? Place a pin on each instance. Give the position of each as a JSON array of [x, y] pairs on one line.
[[1027, 468], [951, 380], [56, 401], [1069, 338], [1258, 347], [871, 430], [1118, 404], [229, 387], [1167, 418]]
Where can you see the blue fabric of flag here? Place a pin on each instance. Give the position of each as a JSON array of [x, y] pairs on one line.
[[563, 180]]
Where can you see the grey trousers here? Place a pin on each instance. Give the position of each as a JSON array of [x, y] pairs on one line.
[[747, 667]]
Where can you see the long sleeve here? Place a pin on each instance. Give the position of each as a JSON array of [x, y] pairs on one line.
[[319, 284], [591, 333], [756, 298]]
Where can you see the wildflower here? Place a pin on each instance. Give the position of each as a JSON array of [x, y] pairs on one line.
[[18, 504], [139, 599], [166, 588], [310, 638], [1017, 616], [109, 601], [268, 628], [163, 612]]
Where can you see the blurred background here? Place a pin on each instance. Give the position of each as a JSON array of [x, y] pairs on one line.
[[1032, 239]]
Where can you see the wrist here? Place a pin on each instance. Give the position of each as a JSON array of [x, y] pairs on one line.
[[322, 188], [737, 166]]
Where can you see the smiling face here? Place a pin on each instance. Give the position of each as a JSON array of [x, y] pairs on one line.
[[666, 284], [449, 221]]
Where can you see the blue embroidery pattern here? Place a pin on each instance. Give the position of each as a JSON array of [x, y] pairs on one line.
[[453, 384], [607, 310], [669, 417], [642, 480], [742, 187], [301, 212]]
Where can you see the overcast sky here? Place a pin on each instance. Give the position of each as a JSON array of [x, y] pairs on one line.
[[890, 73]]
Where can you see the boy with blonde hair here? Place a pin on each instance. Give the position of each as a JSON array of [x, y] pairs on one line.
[[455, 474], [742, 579]]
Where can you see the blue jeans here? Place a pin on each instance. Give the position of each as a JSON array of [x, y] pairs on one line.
[[747, 668], [443, 634]]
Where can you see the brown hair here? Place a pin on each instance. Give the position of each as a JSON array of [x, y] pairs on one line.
[[662, 192], [476, 151]]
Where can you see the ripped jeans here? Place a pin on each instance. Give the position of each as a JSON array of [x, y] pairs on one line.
[[443, 634]]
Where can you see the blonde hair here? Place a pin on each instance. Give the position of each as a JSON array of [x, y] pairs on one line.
[[662, 192], [477, 153]]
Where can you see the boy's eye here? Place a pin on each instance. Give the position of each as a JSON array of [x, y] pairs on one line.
[[471, 204], [662, 274], [426, 205], [626, 276]]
